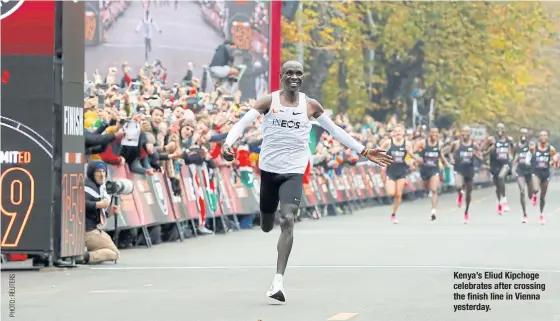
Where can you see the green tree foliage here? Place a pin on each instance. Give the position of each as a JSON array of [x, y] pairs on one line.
[[481, 60]]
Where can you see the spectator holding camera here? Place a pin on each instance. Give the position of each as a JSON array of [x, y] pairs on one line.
[[100, 246], [132, 144]]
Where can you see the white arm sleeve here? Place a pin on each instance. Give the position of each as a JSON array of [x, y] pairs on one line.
[[238, 129], [339, 134]]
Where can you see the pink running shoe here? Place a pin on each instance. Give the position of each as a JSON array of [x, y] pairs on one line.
[[525, 219], [466, 218], [500, 209], [505, 207], [460, 199], [534, 199], [542, 220], [394, 219]]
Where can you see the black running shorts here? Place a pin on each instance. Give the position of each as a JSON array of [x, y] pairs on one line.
[[279, 188], [466, 171], [543, 175], [428, 172], [396, 172]]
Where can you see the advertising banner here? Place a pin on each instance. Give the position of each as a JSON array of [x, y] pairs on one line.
[[70, 134], [26, 151]]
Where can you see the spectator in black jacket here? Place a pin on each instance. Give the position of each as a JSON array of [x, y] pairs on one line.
[[97, 142], [222, 61], [100, 246]]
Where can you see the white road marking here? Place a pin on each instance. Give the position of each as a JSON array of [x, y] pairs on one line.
[[260, 267], [342, 316]]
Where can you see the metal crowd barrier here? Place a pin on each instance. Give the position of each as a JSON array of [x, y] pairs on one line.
[[220, 196]]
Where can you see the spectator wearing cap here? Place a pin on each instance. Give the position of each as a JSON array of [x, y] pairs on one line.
[[100, 246]]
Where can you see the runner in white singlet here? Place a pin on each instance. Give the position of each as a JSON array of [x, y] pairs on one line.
[[284, 156]]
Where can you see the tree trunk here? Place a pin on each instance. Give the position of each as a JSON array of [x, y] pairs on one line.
[[319, 62], [343, 103]]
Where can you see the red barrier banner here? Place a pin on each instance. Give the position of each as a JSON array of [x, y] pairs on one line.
[[221, 191], [358, 181], [153, 197], [131, 215], [330, 190], [349, 185], [189, 194], [362, 170], [247, 196], [375, 173], [320, 195], [177, 203], [235, 205], [309, 195]]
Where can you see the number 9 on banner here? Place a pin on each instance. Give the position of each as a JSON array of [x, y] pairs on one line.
[[17, 197]]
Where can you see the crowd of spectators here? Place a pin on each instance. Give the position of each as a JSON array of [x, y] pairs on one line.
[[143, 120]]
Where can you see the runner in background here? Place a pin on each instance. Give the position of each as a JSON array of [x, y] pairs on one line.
[[147, 25], [398, 148], [430, 151], [463, 152], [544, 158], [500, 150], [522, 170]]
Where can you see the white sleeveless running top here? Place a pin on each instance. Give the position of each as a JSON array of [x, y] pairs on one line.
[[285, 146]]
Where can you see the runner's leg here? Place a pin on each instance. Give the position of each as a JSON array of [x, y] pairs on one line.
[[459, 185], [521, 183], [502, 186], [468, 198], [269, 200], [290, 192], [433, 185]]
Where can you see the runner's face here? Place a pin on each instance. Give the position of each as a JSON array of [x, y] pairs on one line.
[[543, 137], [434, 134], [466, 134], [398, 132], [523, 137], [500, 130], [292, 77]]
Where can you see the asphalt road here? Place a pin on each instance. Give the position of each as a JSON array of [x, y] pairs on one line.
[[358, 268], [185, 38]]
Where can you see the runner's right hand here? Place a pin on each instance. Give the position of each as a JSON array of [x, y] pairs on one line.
[[228, 153]]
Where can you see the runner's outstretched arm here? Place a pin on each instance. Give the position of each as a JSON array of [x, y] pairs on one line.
[[261, 107], [375, 155]]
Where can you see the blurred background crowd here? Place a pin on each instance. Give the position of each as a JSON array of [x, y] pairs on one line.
[[149, 102]]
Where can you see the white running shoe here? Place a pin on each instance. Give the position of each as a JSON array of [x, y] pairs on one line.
[[276, 290], [204, 230]]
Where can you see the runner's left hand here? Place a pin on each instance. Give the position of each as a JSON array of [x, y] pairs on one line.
[[379, 156]]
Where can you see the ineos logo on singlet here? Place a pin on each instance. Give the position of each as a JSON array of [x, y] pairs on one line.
[[285, 123], [542, 159], [8, 7], [466, 156], [502, 150], [524, 156]]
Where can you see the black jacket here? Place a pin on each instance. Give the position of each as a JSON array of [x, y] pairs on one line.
[[92, 191], [97, 142], [222, 56]]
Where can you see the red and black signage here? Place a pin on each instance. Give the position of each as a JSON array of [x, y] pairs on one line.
[[27, 44], [42, 127]]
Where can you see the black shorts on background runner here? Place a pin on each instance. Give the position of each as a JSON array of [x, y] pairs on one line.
[[428, 172], [466, 171], [524, 172], [279, 188]]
